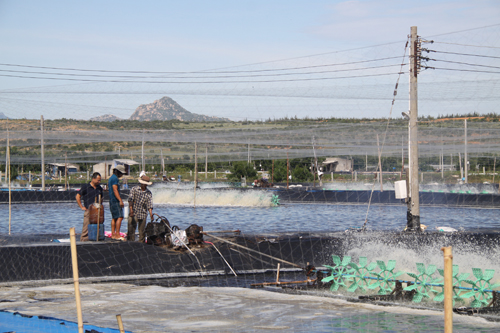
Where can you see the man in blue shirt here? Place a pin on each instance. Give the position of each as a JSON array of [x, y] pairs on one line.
[[89, 193], [115, 201]]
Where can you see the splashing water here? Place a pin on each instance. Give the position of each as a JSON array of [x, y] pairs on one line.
[[213, 197]]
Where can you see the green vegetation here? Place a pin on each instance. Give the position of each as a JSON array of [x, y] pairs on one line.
[[179, 156]]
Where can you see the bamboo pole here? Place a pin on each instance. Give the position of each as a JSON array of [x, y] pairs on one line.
[[278, 274], [279, 283], [75, 280], [252, 250], [120, 323], [448, 289]]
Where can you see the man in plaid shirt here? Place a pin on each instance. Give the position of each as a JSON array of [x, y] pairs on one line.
[[140, 202]]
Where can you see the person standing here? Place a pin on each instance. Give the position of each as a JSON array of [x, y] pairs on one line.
[[140, 203], [115, 201], [89, 193]]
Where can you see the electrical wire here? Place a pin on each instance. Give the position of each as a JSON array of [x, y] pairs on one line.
[[198, 72], [197, 77], [201, 82], [466, 54]]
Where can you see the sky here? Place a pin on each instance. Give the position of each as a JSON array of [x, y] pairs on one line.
[[178, 36]]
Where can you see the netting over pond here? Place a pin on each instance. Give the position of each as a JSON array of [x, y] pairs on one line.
[[459, 75]]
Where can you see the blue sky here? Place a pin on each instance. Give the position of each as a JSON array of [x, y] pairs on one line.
[[201, 35]]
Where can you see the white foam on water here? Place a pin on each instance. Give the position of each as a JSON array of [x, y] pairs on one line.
[[212, 197], [228, 309], [466, 255]]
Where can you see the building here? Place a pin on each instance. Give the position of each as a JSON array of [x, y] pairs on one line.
[[106, 168], [337, 165], [56, 168], [446, 167]]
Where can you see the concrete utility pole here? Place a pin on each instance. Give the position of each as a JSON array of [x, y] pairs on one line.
[[43, 153], [413, 216]]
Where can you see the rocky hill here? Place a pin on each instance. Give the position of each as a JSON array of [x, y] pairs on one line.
[[168, 109], [106, 117]]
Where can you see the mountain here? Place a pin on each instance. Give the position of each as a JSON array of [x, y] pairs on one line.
[[168, 109], [2, 116], [106, 117]]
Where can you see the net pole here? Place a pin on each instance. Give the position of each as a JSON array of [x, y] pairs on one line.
[[448, 289], [466, 161], [42, 153], [379, 165], [8, 176], [206, 161], [272, 174], [494, 164], [142, 153], [74, 260], [287, 170], [195, 171]]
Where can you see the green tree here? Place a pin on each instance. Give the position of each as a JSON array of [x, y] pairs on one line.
[[242, 169], [280, 171], [301, 174]]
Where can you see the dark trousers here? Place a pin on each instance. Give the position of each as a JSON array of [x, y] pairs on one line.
[[132, 225]]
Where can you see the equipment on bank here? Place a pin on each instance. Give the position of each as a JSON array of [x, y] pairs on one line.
[[160, 233]]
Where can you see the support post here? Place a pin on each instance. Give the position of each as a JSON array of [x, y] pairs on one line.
[[379, 166], [448, 289], [76, 282], [494, 164], [272, 174], [460, 165], [42, 153], [8, 175], [413, 222], [142, 153], [206, 162], [466, 161], [287, 170], [120, 323], [195, 171]]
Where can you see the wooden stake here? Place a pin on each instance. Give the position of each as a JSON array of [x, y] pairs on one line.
[[278, 274], [120, 323], [448, 289], [75, 280]]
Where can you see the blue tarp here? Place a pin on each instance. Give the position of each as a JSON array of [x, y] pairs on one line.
[[19, 323]]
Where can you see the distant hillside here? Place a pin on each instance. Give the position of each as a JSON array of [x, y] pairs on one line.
[[168, 109], [2, 116], [106, 117]]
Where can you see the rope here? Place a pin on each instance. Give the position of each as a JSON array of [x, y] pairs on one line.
[[385, 133]]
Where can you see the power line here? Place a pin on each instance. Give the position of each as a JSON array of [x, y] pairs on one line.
[[484, 46], [463, 70], [204, 82], [197, 77], [466, 54], [196, 72], [464, 63]]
